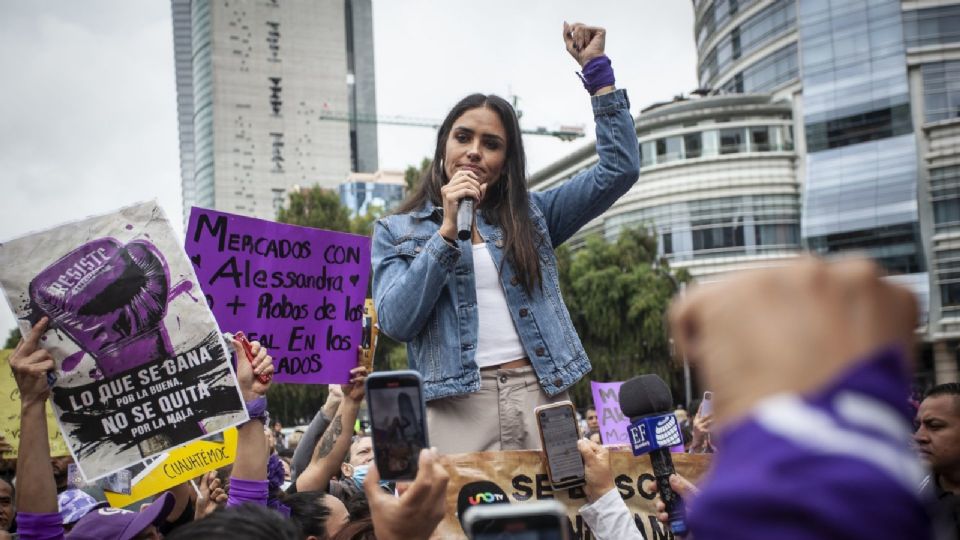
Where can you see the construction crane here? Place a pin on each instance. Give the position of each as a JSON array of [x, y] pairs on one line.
[[564, 133]]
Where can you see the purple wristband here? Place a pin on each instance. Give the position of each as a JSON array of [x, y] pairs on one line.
[[257, 409], [40, 526], [597, 74]]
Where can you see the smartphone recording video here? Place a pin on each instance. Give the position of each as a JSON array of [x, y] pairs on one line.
[[398, 422], [541, 520], [559, 434]]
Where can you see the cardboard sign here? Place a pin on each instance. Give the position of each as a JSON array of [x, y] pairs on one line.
[[141, 364], [519, 477], [179, 466], [613, 424], [10, 417], [298, 291]]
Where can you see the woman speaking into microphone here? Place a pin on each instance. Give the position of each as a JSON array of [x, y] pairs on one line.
[[481, 313]]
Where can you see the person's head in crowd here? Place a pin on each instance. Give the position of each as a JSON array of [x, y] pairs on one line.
[[682, 417], [74, 504], [244, 522], [358, 459], [356, 503], [938, 432], [338, 515], [6, 505], [118, 524], [361, 529], [61, 471], [595, 437], [309, 512], [277, 427], [271, 440], [294, 439], [593, 423]]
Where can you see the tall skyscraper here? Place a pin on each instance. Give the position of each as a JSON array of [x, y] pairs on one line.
[[254, 78]]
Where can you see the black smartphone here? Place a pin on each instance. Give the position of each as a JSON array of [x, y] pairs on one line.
[[559, 434], [398, 422], [541, 520]]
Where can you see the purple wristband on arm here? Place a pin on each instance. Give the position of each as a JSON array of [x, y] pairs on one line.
[[596, 74], [39, 526], [247, 491]]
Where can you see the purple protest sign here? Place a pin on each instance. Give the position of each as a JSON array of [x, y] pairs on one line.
[[297, 290], [613, 424]]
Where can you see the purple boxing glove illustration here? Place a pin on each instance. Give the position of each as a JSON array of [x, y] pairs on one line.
[[110, 299]]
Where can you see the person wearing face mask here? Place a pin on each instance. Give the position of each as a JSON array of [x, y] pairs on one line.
[[482, 316]]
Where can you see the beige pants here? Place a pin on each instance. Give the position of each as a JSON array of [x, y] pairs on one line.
[[498, 417]]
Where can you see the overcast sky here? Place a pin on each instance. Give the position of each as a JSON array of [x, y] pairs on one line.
[[88, 119]]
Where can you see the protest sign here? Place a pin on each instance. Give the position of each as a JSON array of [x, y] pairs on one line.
[[179, 466], [10, 417], [141, 364], [520, 476], [299, 291], [613, 424]]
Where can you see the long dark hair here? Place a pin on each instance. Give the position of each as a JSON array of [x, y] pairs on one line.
[[506, 203]]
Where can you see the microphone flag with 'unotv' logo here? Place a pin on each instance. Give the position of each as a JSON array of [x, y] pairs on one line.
[[653, 433]]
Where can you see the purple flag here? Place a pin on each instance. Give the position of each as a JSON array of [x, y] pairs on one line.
[[299, 291]]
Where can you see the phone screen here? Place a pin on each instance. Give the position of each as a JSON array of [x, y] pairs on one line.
[[523, 527], [706, 406], [397, 424], [527, 529], [558, 427]]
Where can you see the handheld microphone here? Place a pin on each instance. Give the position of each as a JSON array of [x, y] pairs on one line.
[[646, 399], [465, 219]]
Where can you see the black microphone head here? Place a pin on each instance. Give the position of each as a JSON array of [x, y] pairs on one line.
[[645, 395]]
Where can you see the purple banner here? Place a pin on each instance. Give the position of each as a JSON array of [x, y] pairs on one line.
[[297, 290], [613, 424]]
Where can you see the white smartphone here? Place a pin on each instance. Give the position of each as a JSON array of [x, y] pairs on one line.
[[541, 520], [559, 433], [706, 406]]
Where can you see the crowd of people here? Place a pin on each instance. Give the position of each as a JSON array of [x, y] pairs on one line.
[[810, 365]]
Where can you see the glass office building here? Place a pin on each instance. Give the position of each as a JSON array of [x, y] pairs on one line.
[[874, 87]]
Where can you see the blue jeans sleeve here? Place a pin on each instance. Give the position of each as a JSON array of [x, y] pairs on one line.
[[408, 279], [571, 205]]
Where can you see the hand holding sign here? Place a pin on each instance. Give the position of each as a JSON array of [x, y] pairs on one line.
[[355, 390], [30, 366], [248, 373]]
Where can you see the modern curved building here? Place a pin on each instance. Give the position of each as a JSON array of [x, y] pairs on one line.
[[873, 91], [875, 87], [718, 184]]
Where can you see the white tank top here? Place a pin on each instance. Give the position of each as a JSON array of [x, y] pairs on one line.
[[498, 341]]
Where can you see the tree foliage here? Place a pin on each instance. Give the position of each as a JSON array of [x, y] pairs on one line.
[[316, 207], [12, 339], [413, 175], [617, 294]]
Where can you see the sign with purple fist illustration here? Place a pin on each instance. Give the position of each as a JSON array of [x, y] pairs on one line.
[[141, 364], [299, 291]]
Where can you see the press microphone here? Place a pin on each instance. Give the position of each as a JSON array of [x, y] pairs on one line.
[[465, 218], [646, 399]]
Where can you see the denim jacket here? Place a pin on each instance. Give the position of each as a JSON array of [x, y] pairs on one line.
[[424, 289]]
